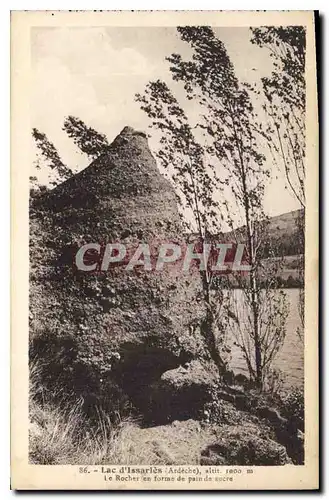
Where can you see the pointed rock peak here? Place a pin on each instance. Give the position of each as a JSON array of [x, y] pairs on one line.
[[129, 131], [128, 135], [126, 168]]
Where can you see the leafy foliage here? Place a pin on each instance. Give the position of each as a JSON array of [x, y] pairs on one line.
[[87, 139], [285, 100], [51, 155], [293, 405], [285, 94], [182, 156]]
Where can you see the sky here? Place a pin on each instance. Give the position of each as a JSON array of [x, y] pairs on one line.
[[94, 73]]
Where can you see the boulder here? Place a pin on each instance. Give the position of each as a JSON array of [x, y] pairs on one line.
[[244, 444], [183, 392]]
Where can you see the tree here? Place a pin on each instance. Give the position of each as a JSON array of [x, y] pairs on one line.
[[36, 189], [51, 156], [86, 138], [285, 102], [232, 135], [272, 312], [285, 94], [185, 162]]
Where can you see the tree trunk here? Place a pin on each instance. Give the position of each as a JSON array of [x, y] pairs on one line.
[[258, 347], [252, 257], [208, 328], [254, 307]]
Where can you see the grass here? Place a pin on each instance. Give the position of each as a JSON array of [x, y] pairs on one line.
[[59, 435], [60, 432]]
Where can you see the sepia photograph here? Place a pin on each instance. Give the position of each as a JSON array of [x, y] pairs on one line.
[[171, 175]]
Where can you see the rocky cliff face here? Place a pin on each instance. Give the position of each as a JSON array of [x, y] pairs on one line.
[[117, 330]]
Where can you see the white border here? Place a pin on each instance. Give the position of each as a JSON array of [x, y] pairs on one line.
[[4, 198]]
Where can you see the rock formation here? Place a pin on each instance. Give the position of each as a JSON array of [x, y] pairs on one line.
[[116, 330]]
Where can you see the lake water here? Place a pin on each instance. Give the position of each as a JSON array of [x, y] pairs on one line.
[[290, 360]]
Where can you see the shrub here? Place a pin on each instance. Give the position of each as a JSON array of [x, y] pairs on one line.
[[274, 382], [292, 406]]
